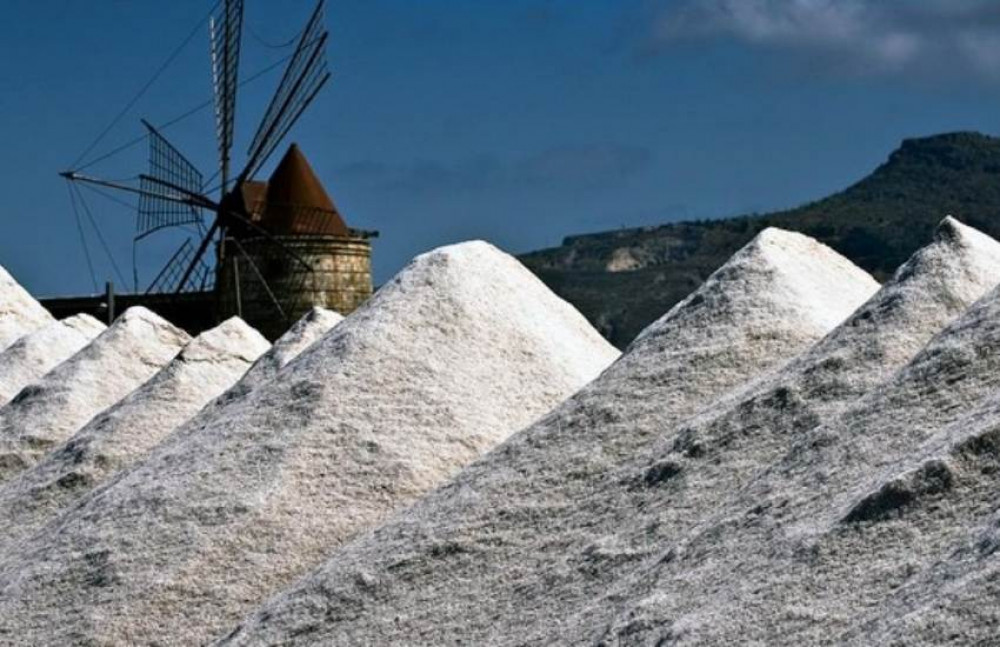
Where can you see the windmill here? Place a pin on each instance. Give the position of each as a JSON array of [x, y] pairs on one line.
[[173, 192]]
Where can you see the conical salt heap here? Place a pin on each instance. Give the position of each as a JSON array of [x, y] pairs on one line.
[[124, 433], [737, 439], [866, 503], [309, 329], [19, 313], [48, 411], [303, 334], [459, 350], [38, 352], [517, 511]]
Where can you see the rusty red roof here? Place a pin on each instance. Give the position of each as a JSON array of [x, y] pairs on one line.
[[297, 203]]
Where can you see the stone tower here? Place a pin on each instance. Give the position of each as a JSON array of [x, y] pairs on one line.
[[298, 253]]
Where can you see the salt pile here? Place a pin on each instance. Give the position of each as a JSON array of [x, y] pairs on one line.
[[954, 598], [461, 349], [309, 329], [125, 432], [38, 352], [954, 601], [306, 331], [19, 313], [48, 411], [857, 508], [490, 554]]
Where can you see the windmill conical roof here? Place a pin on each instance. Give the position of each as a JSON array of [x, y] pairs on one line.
[[297, 203]]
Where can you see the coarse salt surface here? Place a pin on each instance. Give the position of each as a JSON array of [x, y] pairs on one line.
[[38, 352], [493, 553], [742, 438], [45, 413], [125, 432], [861, 515], [459, 350], [303, 334], [309, 329], [953, 601], [20, 314]]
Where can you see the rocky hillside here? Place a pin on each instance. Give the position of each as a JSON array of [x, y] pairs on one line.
[[623, 280]]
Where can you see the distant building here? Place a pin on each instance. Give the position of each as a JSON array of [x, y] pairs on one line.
[[319, 261], [333, 268]]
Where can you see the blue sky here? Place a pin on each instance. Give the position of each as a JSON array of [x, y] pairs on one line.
[[518, 121]]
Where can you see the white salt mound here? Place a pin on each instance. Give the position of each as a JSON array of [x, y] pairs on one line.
[[948, 484], [48, 411], [20, 314], [734, 440], [461, 349], [954, 601], [867, 502], [38, 352], [497, 551], [306, 331], [309, 329], [125, 432]]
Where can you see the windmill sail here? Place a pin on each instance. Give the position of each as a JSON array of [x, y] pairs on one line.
[[158, 206], [225, 31], [173, 192], [304, 76], [171, 277]]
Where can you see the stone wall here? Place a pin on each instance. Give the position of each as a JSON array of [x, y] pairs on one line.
[[341, 279]]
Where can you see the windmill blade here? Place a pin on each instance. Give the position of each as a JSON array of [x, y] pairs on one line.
[[170, 277], [304, 76], [167, 167], [225, 33], [196, 262]]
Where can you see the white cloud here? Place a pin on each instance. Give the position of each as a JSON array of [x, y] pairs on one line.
[[862, 36]]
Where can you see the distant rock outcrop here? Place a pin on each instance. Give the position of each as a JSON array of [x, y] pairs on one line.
[[623, 280]]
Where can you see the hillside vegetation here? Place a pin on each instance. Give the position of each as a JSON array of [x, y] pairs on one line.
[[622, 280]]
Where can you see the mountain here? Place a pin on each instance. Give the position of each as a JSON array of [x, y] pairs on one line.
[[622, 280]]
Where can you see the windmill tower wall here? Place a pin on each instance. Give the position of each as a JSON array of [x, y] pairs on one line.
[[340, 279], [300, 253]]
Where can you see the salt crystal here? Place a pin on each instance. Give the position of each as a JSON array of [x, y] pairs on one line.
[[125, 432], [872, 499], [303, 334]]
